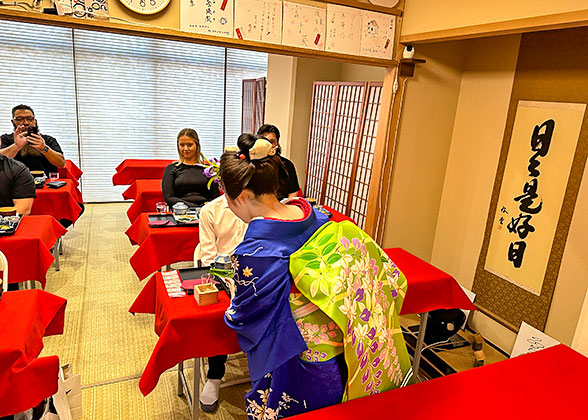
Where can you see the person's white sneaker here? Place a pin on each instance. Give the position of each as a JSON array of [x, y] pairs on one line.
[[209, 395]]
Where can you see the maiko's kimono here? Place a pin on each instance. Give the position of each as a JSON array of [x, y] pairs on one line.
[[313, 345]]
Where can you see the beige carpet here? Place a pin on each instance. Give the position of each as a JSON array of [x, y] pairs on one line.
[[107, 345]]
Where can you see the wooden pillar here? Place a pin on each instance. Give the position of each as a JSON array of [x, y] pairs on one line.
[[383, 159]]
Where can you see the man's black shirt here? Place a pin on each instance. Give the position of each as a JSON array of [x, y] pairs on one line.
[[290, 184], [15, 182], [34, 163]]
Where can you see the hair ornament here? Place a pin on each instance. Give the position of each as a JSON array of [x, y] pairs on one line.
[[241, 156], [262, 149]]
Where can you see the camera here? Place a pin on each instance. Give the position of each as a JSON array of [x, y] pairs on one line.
[[32, 130]]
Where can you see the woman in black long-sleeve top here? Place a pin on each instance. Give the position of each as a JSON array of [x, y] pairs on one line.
[[184, 181]]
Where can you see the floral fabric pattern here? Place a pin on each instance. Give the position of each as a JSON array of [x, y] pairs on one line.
[[346, 274], [322, 336]]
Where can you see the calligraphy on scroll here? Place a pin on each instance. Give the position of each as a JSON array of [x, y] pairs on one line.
[[542, 147]]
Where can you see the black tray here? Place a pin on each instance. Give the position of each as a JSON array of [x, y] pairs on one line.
[[10, 231], [171, 222], [196, 273]]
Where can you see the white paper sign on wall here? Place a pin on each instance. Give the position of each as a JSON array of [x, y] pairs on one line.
[[209, 17], [258, 20], [377, 35], [304, 26], [343, 29], [530, 340]]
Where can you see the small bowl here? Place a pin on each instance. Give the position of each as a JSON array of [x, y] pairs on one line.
[[7, 211]]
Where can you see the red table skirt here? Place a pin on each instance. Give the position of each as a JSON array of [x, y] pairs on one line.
[[160, 246], [185, 330], [338, 217], [428, 287], [142, 185], [548, 384], [144, 202], [27, 316], [70, 171], [61, 203], [28, 250], [130, 170], [426, 291]]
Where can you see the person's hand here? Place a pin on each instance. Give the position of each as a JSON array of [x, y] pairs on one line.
[[37, 141], [232, 286], [19, 136]]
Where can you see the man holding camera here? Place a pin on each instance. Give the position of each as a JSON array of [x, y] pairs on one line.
[[39, 152]]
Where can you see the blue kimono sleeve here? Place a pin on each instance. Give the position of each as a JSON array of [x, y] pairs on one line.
[[260, 314]]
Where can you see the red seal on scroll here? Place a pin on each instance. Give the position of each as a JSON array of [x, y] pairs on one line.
[[239, 34], [316, 40], [387, 43], [224, 5]]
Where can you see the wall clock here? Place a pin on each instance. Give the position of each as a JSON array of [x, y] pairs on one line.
[[385, 3], [145, 7]]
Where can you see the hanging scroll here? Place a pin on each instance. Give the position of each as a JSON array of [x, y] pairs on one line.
[[304, 25], [210, 17], [543, 143]]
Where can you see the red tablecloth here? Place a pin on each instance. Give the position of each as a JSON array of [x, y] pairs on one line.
[[28, 250], [61, 203], [160, 246], [338, 217], [131, 169], [26, 380], [428, 287], [175, 345], [185, 330], [146, 193], [548, 384], [140, 186], [70, 171]]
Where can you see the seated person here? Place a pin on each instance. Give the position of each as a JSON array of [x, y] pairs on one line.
[[184, 181], [39, 152], [314, 303], [17, 188], [290, 187], [220, 232]]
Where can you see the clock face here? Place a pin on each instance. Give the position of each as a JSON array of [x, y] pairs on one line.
[[145, 7]]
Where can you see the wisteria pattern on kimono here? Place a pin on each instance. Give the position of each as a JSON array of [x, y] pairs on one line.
[[282, 383], [348, 276]]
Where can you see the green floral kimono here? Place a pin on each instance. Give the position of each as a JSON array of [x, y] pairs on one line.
[[350, 296]]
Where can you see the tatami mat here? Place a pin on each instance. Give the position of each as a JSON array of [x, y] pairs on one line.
[[106, 344]]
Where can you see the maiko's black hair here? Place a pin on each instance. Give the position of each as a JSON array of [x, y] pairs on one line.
[[239, 172]]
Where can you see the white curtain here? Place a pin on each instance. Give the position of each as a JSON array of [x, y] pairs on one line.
[[112, 97]]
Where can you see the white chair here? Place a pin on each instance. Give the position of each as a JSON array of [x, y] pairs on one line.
[[4, 269]]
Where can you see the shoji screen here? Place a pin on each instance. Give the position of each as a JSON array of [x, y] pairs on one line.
[[253, 111], [321, 121], [342, 135], [364, 156]]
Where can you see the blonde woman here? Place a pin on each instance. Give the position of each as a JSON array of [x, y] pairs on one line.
[[184, 181]]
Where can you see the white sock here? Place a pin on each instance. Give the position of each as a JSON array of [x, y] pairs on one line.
[[210, 391]]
